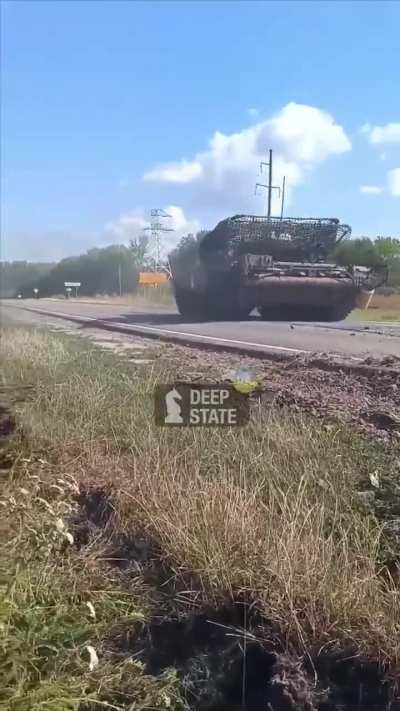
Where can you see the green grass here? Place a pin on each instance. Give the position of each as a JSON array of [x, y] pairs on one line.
[[55, 601], [272, 511], [375, 315]]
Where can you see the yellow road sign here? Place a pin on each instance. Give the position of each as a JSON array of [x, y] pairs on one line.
[[152, 278]]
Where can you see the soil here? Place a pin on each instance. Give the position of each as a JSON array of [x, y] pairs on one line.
[[7, 423], [7, 427], [367, 399], [226, 656]]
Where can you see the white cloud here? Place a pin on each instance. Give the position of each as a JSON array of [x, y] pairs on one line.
[[393, 178], [393, 185], [132, 224], [127, 226], [371, 189], [180, 223], [182, 172], [382, 135], [223, 176]]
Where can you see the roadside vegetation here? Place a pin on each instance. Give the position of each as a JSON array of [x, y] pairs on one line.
[[144, 296], [133, 554], [383, 307]]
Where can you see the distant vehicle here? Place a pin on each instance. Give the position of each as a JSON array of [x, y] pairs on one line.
[[279, 266]]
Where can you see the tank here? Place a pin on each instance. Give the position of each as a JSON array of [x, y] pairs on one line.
[[282, 267]]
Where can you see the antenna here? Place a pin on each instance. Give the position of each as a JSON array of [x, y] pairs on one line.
[[157, 228], [269, 187]]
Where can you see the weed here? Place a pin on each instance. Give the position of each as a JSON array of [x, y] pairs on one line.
[[270, 513]]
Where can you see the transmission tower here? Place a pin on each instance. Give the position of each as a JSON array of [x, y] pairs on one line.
[[157, 228]]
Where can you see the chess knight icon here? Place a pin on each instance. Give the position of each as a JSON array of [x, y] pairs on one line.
[[174, 409]]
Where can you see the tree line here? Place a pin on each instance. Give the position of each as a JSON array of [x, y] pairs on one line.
[[115, 269], [15, 276], [111, 270], [372, 253]]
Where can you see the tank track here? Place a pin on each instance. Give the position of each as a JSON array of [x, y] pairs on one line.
[[197, 307]]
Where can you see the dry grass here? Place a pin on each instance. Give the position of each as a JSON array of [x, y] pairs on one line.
[[33, 349], [270, 511], [381, 308], [161, 295]]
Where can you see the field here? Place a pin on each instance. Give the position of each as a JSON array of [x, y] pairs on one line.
[[161, 295], [382, 308], [204, 569]]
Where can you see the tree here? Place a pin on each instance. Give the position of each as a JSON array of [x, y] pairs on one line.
[[201, 234], [388, 247], [99, 271], [360, 252], [139, 247], [14, 276]]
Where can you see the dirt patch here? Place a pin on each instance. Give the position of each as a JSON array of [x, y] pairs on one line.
[[227, 656], [368, 400], [222, 665], [224, 661], [95, 510], [7, 423], [7, 429], [354, 685]]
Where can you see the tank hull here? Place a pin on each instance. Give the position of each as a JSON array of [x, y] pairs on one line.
[[278, 267]]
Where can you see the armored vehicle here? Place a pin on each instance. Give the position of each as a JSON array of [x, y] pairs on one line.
[[282, 267]]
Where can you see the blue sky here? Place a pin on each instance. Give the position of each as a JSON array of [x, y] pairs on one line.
[[102, 101]]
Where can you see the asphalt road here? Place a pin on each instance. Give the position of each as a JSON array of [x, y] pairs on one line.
[[347, 338]]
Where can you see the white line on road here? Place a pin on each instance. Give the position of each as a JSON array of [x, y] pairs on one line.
[[211, 339], [221, 340], [155, 329]]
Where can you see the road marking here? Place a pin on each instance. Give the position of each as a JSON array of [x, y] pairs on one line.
[[211, 339], [155, 329], [217, 338]]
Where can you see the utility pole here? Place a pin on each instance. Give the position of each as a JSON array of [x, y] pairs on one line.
[[269, 187], [119, 279], [157, 228], [269, 183], [283, 195]]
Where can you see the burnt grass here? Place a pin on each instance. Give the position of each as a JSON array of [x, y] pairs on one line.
[[7, 428], [7, 424], [226, 655]]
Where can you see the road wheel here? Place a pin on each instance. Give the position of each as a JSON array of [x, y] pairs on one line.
[[336, 312]]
